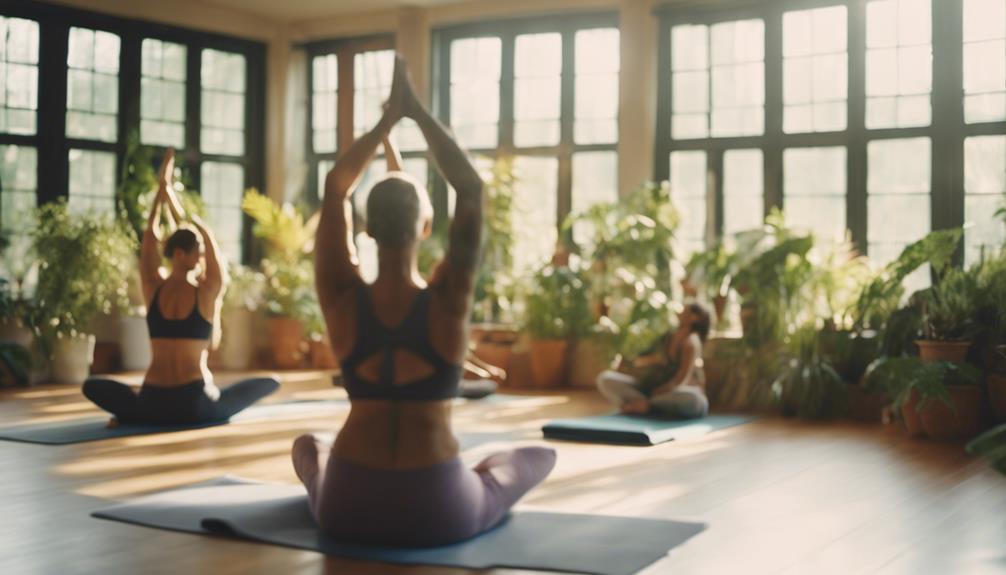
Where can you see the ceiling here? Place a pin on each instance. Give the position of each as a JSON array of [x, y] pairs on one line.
[[296, 10]]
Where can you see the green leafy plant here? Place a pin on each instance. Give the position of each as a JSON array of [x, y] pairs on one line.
[[495, 284], [712, 269], [289, 288], [992, 446], [950, 306], [283, 229], [85, 261], [808, 384], [900, 376], [246, 288], [557, 306]]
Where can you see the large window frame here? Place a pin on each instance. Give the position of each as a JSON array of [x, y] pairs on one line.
[[947, 131], [507, 31], [50, 139]]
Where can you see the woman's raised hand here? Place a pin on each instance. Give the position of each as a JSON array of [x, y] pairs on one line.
[[167, 169]]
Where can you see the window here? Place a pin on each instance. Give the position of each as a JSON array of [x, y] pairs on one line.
[[743, 188], [689, 189], [222, 190], [815, 70], [985, 193], [19, 70], [18, 170], [162, 93], [814, 190], [92, 85], [324, 102], [984, 60], [899, 63], [898, 187], [92, 181], [223, 103], [372, 74], [543, 93]]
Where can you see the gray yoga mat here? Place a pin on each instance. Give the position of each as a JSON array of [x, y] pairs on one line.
[[94, 428], [279, 515], [636, 430]]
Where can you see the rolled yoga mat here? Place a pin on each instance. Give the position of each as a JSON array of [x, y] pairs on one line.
[[635, 429], [279, 515], [95, 428]]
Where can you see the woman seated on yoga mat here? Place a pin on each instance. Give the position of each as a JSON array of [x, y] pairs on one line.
[[393, 475], [669, 382], [183, 310]]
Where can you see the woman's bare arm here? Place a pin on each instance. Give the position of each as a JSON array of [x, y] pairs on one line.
[[689, 354], [392, 159], [461, 261], [150, 246]]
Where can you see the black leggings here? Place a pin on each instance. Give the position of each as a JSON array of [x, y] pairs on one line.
[[182, 405]]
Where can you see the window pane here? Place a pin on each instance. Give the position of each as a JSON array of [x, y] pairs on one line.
[[92, 181], [222, 189], [815, 70], [690, 81], [535, 197], [743, 186], [595, 181], [223, 103], [18, 175], [738, 78], [324, 167], [985, 192], [92, 85], [984, 60], [324, 102], [814, 184], [19, 72], [475, 91], [898, 188], [537, 87], [899, 63], [689, 190], [372, 75], [162, 93], [597, 67]]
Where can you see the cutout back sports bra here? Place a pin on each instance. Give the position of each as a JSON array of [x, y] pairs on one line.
[[373, 337], [194, 326]]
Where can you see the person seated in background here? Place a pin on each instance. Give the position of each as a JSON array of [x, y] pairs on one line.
[[183, 317], [393, 475], [669, 382]]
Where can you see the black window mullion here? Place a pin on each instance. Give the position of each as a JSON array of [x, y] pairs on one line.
[[714, 195], [564, 203], [857, 215], [773, 143], [193, 113], [53, 159], [129, 99], [662, 148], [948, 117], [506, 122]]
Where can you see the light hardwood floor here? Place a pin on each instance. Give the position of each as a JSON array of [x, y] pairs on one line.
[[779, 496]]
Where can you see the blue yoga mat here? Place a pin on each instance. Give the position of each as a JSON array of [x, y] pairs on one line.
[[95, 428], [636, 430], [279, 515]]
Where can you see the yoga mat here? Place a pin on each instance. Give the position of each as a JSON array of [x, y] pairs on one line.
[[636, 430], [94, 428], [279, 515]]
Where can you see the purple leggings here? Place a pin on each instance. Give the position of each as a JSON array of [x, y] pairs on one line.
[[429, 506]]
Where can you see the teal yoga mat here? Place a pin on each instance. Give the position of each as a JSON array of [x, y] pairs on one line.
[[94, 428], [636, 430], [279, 515]]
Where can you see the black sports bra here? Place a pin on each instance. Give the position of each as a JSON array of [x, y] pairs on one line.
[[194, 326], [373, 337]]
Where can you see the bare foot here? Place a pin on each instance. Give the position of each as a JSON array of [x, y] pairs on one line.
[[112, 423]]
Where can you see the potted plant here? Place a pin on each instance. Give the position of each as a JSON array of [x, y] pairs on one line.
[[808, 385], [710, 271], [557, 310], [16, 309], [992, 446], [242, 300], [949, 309], [990, 340], [289, 273], [84, 262]]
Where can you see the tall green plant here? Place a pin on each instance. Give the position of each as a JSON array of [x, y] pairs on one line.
[[950, 307], [495, 284], [557, 305], [85, 261], [283, 229], [808, 384]]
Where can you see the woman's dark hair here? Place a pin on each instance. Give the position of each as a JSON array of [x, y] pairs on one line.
[[183, 239], [703, 320], [394, 207]]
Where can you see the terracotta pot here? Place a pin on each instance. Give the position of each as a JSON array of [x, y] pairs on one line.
[[106, 357], [996, 384], [287, 339], [942, 422], [71, 359], [548, 362], [720, 307], [497, 354], [14, 332], [910, 415], [321, 355], [953, 351]]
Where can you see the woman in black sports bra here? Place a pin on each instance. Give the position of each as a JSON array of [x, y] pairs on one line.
[[393, 475], [182, 317]]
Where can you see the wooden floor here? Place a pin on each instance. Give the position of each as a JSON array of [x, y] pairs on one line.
[[778, 496]]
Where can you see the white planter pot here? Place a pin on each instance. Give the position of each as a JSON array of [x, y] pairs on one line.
[[71, 359], [14, 332], [134, 343], [237, 347]]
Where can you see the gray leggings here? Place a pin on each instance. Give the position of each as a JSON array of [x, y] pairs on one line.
[[430, 506], [684, 401]]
